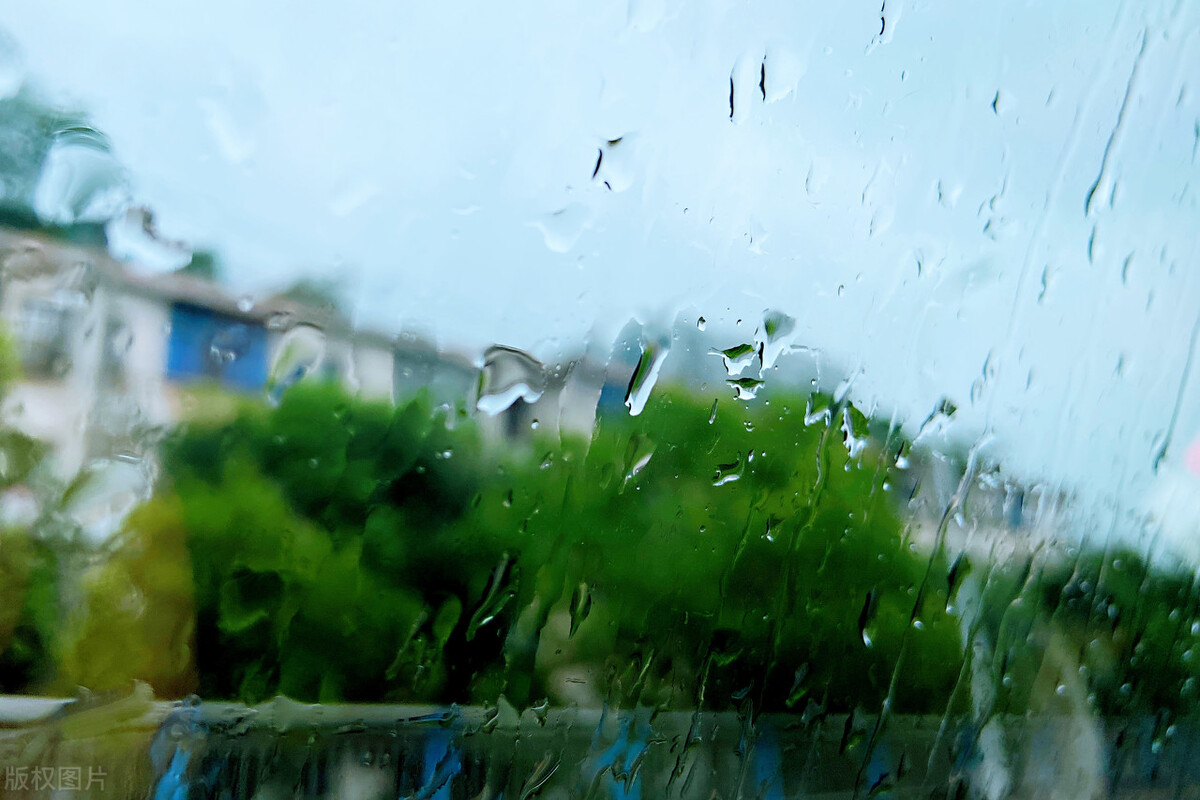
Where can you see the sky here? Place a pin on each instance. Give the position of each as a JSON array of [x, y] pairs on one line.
[[994, 203]]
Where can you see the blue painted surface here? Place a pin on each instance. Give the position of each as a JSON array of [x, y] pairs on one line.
[[442, 763], [617, 760], [768, 765], [174, 784], [881, 766], [171, 752], [205, 344]]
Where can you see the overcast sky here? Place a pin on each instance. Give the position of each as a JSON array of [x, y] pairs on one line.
[[913, 187]]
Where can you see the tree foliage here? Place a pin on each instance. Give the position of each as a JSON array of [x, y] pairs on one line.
[[29, 563], [740, 555], [348, 550]]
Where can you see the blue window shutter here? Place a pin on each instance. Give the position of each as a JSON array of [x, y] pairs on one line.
[[207, 344]]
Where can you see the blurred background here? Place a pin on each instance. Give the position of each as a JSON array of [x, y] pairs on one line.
[[781, 358]]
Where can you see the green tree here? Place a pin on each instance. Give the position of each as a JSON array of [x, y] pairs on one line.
[[29, 564], [349, 550], [741, 553]]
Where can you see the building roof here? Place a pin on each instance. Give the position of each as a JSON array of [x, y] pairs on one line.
[[30, 254]]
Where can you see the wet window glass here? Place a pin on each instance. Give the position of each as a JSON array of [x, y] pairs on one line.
[[641, 399]]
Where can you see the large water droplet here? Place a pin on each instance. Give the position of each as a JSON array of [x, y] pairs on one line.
[[728, 473], [799, 687], [614, 164], [781, 73], [870, 606], [747, 388], [774, 336], [507, 375], [937, 422], [738, 357], [855, 431], [80, 180], [104, 493], [499, 592], [638, 453], [581, 606], [280, 320], [562, 229], [299, 352], [541, 711], [229, 344], [133, 237], [641, 383], [817, 409]]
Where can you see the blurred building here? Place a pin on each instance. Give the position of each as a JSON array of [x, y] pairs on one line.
[[109, 355]]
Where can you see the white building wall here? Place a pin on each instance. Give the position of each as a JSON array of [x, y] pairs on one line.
[[56, 408], [372, 367], [147, 322]]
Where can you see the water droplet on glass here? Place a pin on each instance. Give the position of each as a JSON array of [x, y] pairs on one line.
[[581, 605], [614, 166], [645, 374], [80, 180], [638, 453], [867, 615], [562, 229], [774, 336], [280, 320], [746, 388], [769, 532], [541, 711], [855, 432], [500, 591], [737, 358], [728, 473], [229, 344], [508, 375], [298, 354], [105, 492], [133, 237]]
